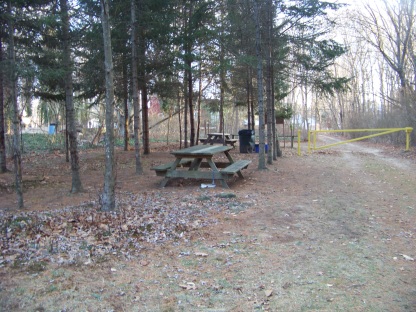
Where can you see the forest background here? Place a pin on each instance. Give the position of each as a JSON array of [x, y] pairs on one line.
[[222, 65]]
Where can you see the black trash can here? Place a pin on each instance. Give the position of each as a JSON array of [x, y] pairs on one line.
[[246, 141]]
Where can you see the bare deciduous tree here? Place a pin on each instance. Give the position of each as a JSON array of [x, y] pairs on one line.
[[388, 28]]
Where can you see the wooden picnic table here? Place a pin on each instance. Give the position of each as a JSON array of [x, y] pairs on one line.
[[189, 162], [219, 137]]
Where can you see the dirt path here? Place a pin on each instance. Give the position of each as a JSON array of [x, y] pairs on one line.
[[342, 237], [330, 231]]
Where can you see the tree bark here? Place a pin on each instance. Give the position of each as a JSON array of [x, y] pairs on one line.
[[222, 89], [180, 119], [125, 104], [142, 84], [188, 53], [190, 102], [198, 122], [252, 96], [186, 108], [70, 111], [145, 118], [3, 165], [262, 161], [16, 112], [135, 88], [248, 96], [269, 84], [277, 152], [185, 74], [108, 195]]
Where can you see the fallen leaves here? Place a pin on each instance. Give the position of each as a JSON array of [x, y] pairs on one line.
[[84, 232]]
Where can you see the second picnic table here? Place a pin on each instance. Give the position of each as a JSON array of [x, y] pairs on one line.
[[193, 157], [218, 137]]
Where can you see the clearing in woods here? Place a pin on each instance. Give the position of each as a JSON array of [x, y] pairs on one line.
[[331, 231]]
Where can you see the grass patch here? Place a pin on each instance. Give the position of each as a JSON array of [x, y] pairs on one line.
[[36, 267], [38, 142], [43, 143], [226, 195], [203, 198]]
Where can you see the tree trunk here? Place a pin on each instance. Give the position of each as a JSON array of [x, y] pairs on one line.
[[3, 167], [125, 104], [185, 74], [135, 87], [198, 123], [145, 118], [222, 89], [190, 91], [252, 118], [179, 119], [16, 112], [262, 162], [269, 85], [66, 121], [222, 96], [269, 111], [70, 111], [185, 118], [189, 76], [142, 85], [277, 152], [248, 100], [108, 196], [191, 104]]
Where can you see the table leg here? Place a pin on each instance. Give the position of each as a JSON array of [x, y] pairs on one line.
[[164, 182], [172, 168], [196, 163], [230, 159], [208, 140], [224, 184], [215, 169]]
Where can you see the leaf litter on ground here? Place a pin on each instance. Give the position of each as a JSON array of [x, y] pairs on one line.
[[83, 233]]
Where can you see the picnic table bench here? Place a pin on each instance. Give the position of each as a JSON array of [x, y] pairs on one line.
[[163, 168], [236, 167], [190, 160]]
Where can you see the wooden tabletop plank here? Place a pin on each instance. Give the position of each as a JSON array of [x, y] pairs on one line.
[[218, 134], [201, 150]]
